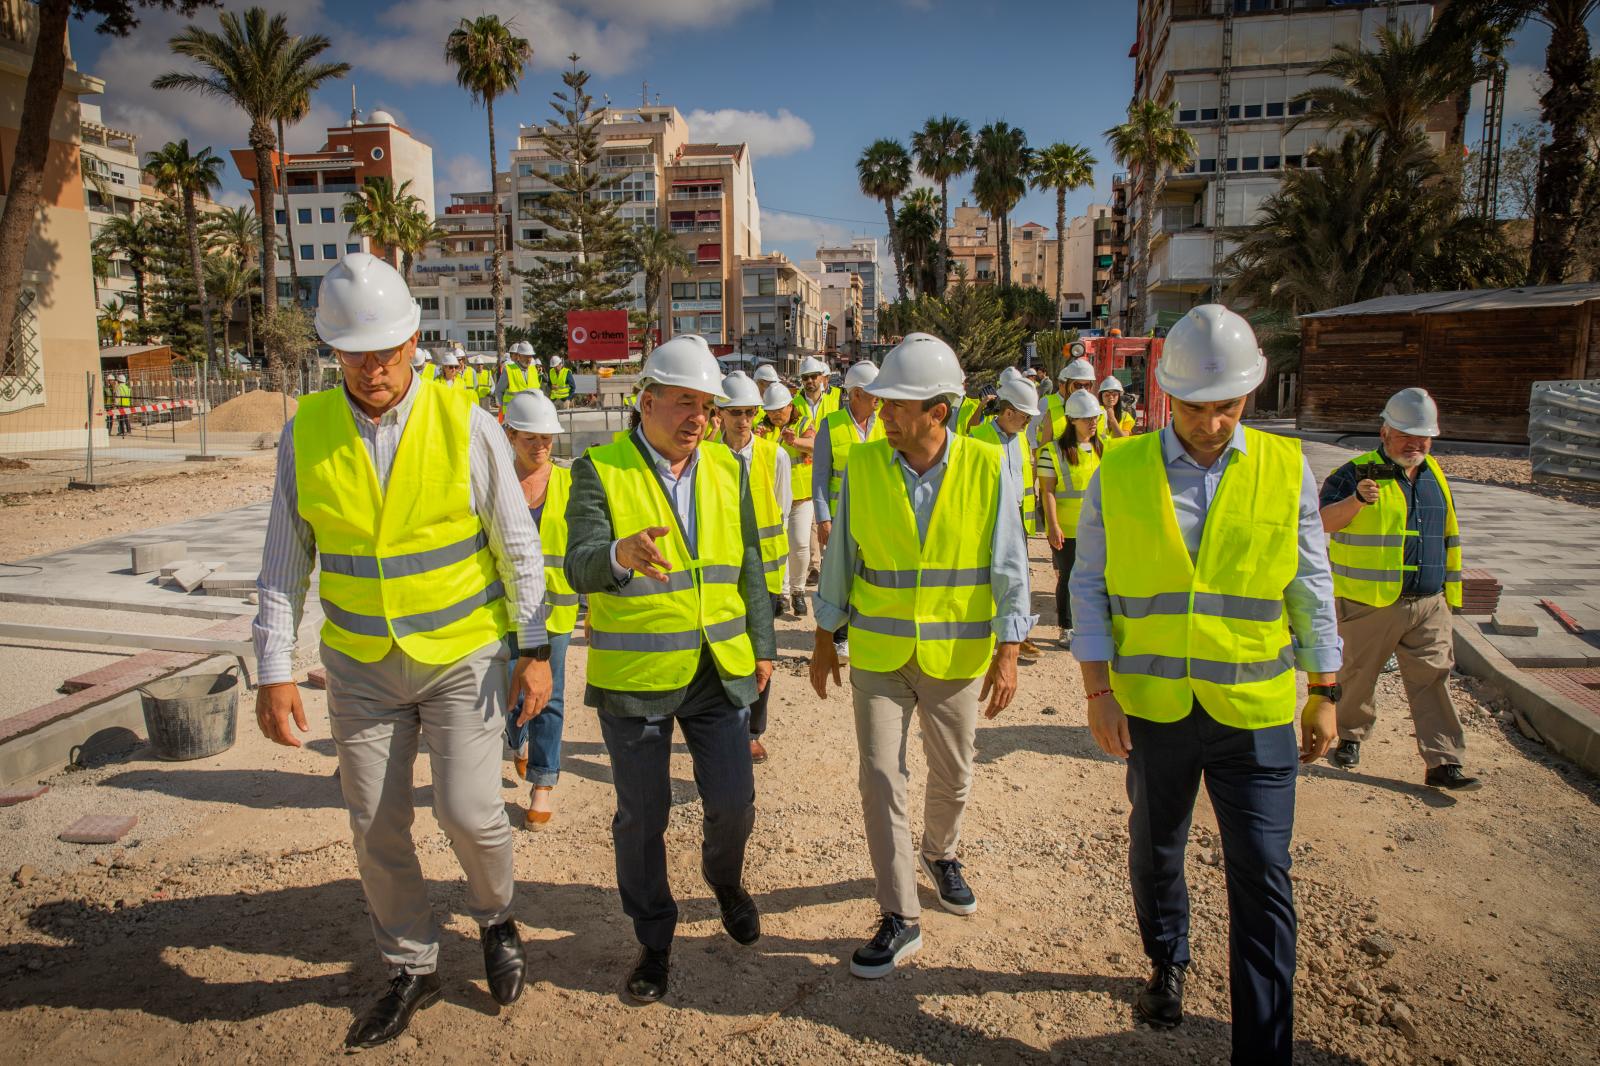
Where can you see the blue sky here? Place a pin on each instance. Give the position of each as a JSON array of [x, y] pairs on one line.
[[808, 84]]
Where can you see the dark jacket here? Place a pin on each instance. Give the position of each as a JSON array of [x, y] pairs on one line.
[[588, 568]]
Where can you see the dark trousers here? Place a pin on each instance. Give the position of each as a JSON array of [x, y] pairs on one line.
[[758, 710], [1063, 558], [718, 736], [1249, 775]]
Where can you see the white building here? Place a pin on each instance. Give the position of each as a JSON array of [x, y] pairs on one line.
[[860, 257], [113, 155], [452, 280]]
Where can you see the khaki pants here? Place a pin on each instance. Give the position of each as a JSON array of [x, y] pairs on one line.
[[1418, 633], [949, 715]]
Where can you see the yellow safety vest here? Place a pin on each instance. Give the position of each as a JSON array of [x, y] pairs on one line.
[[485, 386], [520, 380], [964, 416], [560, 383], [799, 461], [989, 432], [647, 636], [1126, 422], [124, 394], [930, 598], [418, 574], [1213, 628], [769, 519], [430, 372], [1369, 555], [832, 400], [560, 600], [1072, 480], [840, 426]]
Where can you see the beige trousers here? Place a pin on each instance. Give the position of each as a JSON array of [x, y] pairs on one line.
[[1418, 634], [949, 714]]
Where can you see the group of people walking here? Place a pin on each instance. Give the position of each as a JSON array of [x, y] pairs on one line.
[[1194, 581]]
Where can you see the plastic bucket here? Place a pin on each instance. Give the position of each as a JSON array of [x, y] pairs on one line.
[[192, 716]]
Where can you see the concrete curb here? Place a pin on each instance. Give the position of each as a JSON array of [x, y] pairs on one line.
[[1567, 728]]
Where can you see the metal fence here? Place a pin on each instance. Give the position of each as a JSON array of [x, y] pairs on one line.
[[1564, 431]]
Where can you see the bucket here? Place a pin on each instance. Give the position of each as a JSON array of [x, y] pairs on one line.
[[192, 716]]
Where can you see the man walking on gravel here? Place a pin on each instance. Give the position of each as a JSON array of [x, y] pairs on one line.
[[408, 494], [928, 563]]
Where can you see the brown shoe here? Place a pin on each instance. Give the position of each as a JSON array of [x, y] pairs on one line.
[[532, 819], [1029, 650], [521, 763], [758, 752]]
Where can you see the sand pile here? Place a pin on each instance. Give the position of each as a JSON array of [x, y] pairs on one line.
[[254, 412]]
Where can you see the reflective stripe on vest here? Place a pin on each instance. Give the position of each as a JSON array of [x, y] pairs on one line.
[[647, 636], [419, 573], [1072, 481], [929, 597], [560, 383], [842, 436], [1213, 628], [990, 433], [769, 520], [1368, 557], [561, 602]]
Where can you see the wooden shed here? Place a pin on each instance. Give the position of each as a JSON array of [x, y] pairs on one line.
[[149, 359], [1477, 351]]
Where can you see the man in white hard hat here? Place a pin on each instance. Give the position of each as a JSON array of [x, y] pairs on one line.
[[1396, 554], [767, 466], [1201, 582], [785, 422], [450, 370], [1017, 405], [766, 376], [418, 604], [419, 360], [815, 397], [124, 398], [517, 375], [928, 586], [666, 544], [855, 423], [560, 382]]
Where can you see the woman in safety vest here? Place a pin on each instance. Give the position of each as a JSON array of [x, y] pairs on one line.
[[1117, 423], [1065, 467]]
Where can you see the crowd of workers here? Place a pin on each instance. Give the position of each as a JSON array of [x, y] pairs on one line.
[[1195, 576]]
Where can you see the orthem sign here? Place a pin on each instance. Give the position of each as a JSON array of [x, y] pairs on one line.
[[597, 335]]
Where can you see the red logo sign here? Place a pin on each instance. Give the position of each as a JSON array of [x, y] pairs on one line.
[[597, 335]]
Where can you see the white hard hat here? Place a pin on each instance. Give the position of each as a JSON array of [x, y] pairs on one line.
[[1077, 370], [1082, 404], [685, 362], [1010, 373], [449, 359], [777, 397], [812, 365], [364, 306], [1112, 383], [739, 391], [1019, 394], [419, 359], [531, 411], [556, 361], [1210, 355], [766, 374], [1412, 411], [860, 375], [522, 348], [920, 367]]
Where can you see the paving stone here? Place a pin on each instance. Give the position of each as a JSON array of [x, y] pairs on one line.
[[191, 577], [317, 677], [225, 579], [1514, 622], [10, 797], [99, 828], [148, 557]]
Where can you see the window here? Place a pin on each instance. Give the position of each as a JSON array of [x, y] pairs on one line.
[[711, 290], [508, 303], [481, 303], [354, 246], [710, 326], [765, 322], [303, 216], [1074, 307], [1271, 162], [524, 170], [428, 303], [1208, 166], [327, 214], [683, 290], [330, 251], [709, 253], [431, 336], [480, 340], [1251, 163], [280, 217], [1297, 107], [377, 153], [308, 252], [1208, 114], [682, 324], [1275, 109], [532, 234]]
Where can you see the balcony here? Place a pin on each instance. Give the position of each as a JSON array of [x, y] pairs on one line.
[[1182, 264], [694, 195]]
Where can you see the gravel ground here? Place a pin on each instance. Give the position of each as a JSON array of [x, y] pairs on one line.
[[230, 925], [1512, 473]]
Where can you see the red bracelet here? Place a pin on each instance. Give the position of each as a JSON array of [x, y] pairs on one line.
[[1097, 695]]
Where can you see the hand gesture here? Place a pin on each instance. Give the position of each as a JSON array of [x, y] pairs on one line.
[[640, 554]]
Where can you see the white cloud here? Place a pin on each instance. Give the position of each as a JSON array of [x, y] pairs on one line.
[[781, 226], [235, 198], [767, 135], [669, 12], [462, 173], [1524, 85]]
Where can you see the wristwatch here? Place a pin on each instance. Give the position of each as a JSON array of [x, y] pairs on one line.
[[539, 653], [1331, 693]]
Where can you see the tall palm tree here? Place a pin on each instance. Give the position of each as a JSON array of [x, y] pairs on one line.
[[657, 254], [293, 111], [134, 238], [380, 211], [489, 58], [183, 175], [1063, 168], [884, 173], [943, 147], [236, 231], [1151, 141], [918, 225], [417, 231], [255, 63], [1001, 159], [231, 280]]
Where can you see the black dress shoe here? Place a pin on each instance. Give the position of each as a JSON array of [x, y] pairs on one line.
[[503, 961], [800, 605], [1161, 1002], [1452, 777], [648, 981], [388, 1018], [1347, 754], [739, 915]]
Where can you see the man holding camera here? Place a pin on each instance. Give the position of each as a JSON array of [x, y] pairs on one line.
[[1395, 547]]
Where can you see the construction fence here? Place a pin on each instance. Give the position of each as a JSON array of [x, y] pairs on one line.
[[1564, 431]]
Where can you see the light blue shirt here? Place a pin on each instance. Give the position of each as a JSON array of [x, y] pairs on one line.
[[1011, 446], [1008, 570], [1308, 599], [680, 493], [822, 463]]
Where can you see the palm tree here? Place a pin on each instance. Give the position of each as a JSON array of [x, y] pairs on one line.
[[1567, 107], [133, 237], [944, 150], [231, 280], [255, 63], [109, 321], [884, 173], [184, 175], [489, 59], [1150, 141], [918, 225], [657, 254], [417, 231], [236, 232], [1062, 167], [380, 211], [1001, 158]]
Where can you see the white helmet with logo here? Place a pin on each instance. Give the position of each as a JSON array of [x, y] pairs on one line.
[[684, 362], [920, 367], [1209, 356], [364, 306]]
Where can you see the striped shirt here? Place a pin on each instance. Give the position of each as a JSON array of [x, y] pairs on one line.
[[289, 556]]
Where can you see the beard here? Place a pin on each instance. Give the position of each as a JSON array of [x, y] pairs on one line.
[[1412, 460]]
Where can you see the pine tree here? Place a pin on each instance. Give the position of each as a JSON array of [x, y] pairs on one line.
[[583, 262]]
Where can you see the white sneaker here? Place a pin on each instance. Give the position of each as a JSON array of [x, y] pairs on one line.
[[1066, 638], [842, 650]]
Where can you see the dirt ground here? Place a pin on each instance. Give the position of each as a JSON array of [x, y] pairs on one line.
[[1514, 473], [230, 924]]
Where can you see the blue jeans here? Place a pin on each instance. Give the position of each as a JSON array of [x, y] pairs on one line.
[[543, 733]]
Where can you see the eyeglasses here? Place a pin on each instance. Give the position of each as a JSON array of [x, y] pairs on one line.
[[387, 358]]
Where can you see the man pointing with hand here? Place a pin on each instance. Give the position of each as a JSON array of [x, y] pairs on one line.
[[665, 542]]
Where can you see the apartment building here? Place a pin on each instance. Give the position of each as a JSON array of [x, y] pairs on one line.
[[453, 279], [781, 310], [113, 185], [1232, 68], [713, 212], [1110, 251], [843, 308], [318, 184], [859, 257]]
